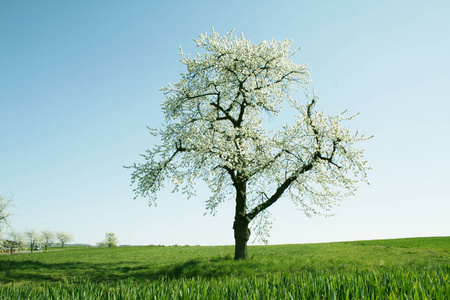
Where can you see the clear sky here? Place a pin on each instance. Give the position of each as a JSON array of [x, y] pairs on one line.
[[79, 84]]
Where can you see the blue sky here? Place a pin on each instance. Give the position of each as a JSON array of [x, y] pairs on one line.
[[79, 84]]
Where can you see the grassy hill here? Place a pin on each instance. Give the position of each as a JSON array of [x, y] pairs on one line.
[[117, 269]]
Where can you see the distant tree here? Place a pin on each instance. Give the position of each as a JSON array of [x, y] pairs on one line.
[[48, 237], [102, 244], [110, 240], [214, 131], [64, 237], [32, 238], [5, 214], [14, 240]]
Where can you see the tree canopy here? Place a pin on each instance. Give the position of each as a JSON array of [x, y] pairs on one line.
[[214, 132]]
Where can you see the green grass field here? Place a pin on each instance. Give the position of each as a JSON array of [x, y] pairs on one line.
[[416, 268]]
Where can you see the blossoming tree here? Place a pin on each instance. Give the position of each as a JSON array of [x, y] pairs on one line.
[[214, 132], [5, 205]]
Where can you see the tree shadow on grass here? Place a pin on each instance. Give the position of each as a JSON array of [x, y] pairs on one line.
[[24, 271], [38, 272], [198, 268]]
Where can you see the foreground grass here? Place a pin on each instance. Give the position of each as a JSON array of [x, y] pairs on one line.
[[393, 284], [397, 269]]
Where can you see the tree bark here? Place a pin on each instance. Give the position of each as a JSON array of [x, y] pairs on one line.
[[241, 237], [240, 226]]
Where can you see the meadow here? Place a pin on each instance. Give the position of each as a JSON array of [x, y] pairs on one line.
[[414, 268]]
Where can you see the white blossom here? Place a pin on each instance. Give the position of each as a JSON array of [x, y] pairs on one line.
[[214, 132]]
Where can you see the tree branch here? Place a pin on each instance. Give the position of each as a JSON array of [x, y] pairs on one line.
[[277, 81], [232, 174], [257, 170], [330, 158], [280, 190], [226, 116]]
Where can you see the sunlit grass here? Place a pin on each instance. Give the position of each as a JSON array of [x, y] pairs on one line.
[[387, 267], [384, 284]]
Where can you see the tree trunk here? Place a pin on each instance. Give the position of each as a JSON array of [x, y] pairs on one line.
[[241, 236], [240, 226]]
